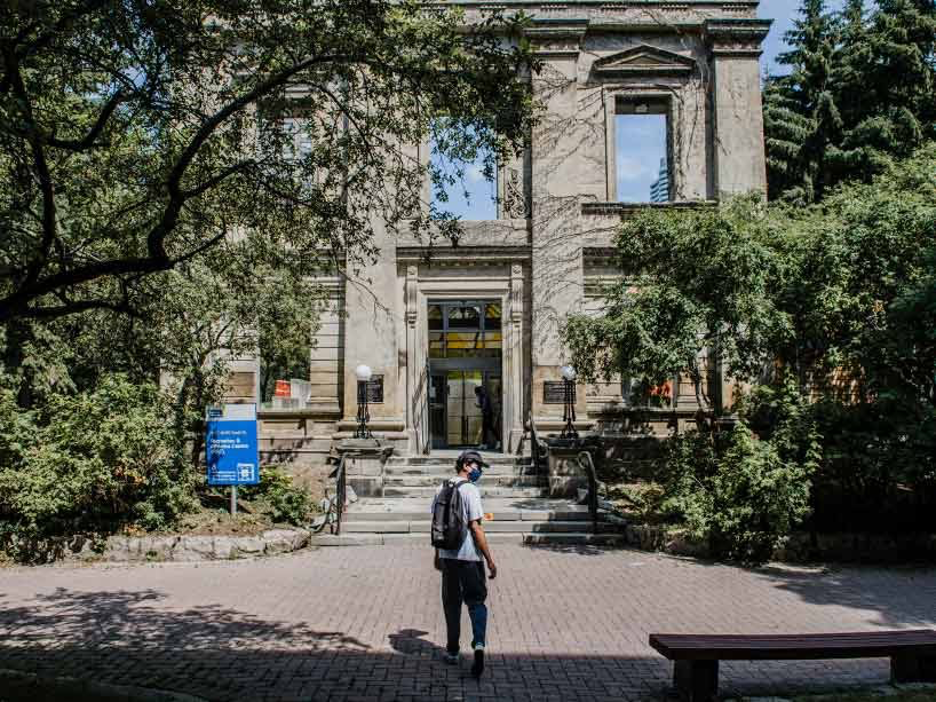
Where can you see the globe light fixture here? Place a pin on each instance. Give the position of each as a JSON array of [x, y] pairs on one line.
[[363, 374], [568, 413]]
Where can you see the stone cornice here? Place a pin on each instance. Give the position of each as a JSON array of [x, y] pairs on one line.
[[736, 37], [624, 209], [463, 256]]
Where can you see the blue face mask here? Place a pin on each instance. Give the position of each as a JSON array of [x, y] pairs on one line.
[[475, 474]]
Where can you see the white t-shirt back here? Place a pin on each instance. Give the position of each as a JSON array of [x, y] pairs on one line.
[[472, 511]]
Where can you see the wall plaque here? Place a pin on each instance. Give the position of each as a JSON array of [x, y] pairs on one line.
[[553, 392], [375, 389]]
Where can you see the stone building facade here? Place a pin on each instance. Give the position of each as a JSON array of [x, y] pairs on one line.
[[488, 312]]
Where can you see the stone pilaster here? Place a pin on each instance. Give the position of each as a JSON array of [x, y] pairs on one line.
[[738, 122]]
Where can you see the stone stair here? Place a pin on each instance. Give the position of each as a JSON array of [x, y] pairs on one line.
[[516, 502]]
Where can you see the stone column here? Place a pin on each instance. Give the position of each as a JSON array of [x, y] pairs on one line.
[[415, 392], [514, 359], [557, 269], [738, 122]]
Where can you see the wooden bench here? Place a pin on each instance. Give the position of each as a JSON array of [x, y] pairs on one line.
[[696, 656]]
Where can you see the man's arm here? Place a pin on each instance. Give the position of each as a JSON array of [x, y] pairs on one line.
[[477, 531]]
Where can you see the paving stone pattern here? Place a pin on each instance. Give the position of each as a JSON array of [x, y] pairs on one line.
[[567, 623]]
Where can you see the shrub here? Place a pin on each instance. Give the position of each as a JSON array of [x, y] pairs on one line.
[[284, 500], [742, 492], [89, 462]]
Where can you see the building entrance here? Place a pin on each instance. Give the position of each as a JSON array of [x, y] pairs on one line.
[[465, 382]]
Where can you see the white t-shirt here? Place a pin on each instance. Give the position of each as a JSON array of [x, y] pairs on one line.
[[472, 511]]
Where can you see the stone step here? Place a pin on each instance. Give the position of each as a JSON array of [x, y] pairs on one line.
[[448, 462], [492, 527], [543, 539], [443, 472], [498, 516], [428, 481], [486, 492]]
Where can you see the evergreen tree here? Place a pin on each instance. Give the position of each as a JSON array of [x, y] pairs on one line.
[[862, 91], [800, 113], [886, 77]]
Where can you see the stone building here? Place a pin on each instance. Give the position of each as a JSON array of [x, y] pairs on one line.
[[488, 311]]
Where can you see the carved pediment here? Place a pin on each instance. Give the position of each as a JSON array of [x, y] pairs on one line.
[[643, 60]]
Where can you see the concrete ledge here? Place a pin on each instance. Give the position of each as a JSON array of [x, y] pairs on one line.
[[17, 686], [188, 549]]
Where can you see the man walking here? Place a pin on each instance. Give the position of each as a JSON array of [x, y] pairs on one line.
[[489, 438], [463, 577]]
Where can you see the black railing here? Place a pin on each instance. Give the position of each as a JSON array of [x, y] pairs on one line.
[[585, 460], [538, 447], [336, 506]]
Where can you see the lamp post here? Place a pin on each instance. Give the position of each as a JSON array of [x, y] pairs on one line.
[[363, 374], [568, 412]]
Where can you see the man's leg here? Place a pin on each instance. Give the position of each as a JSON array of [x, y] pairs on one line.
[[474, 591], [451, 603]]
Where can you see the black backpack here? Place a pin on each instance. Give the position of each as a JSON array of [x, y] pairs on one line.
[[448, 517]]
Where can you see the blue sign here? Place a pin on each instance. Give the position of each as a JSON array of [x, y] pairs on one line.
[[231, 448]]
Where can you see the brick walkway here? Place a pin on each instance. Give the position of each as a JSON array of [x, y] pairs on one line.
[[364, 624]]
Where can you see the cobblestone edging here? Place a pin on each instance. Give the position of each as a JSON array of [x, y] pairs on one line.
[[799, 548], [17, 686], [128, 549]]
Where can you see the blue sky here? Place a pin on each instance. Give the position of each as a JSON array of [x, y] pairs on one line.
[[642, 143]]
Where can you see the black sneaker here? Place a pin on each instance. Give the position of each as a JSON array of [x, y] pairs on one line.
[[478, 666]]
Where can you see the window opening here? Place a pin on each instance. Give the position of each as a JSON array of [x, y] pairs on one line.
[[468, 192], [640, 152]]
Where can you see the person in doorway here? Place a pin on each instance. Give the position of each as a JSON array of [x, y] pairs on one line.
[[488, 435], [463, 576]]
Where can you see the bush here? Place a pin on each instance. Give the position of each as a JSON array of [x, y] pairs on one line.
[[89, 462], [284, 501], [743, 493]]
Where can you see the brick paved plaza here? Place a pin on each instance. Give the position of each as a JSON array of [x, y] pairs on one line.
[[365, 624]]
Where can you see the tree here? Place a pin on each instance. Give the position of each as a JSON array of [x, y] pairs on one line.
[[801, 118], [860, 94], [827, 312], [136, 135]]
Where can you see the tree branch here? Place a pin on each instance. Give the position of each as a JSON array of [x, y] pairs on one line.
[[216, 179], [88, 141], [34, 138], [75, 307]]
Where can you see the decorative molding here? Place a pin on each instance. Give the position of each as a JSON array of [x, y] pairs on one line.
[[412, 301], [516, 295], [463, 256], [515, 201], [643, 60], [736, 37], [632, 208]]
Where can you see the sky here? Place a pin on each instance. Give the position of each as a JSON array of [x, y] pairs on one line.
[[641, 142]]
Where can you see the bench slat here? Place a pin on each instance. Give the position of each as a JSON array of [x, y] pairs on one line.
[[873, 644]]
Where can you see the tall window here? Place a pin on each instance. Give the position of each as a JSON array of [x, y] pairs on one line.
[[468, 192], [640, 152]]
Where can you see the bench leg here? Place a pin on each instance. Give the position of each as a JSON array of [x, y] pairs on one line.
[[912, 667], [696, 681]]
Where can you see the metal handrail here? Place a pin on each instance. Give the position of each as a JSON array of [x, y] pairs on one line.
[[341, 491], [585, 460], [537, 445]]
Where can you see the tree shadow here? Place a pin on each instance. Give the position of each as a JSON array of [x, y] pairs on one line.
[[134, 638], [895, 597]]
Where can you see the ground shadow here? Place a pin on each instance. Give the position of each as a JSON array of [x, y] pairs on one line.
[[217, 653]]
